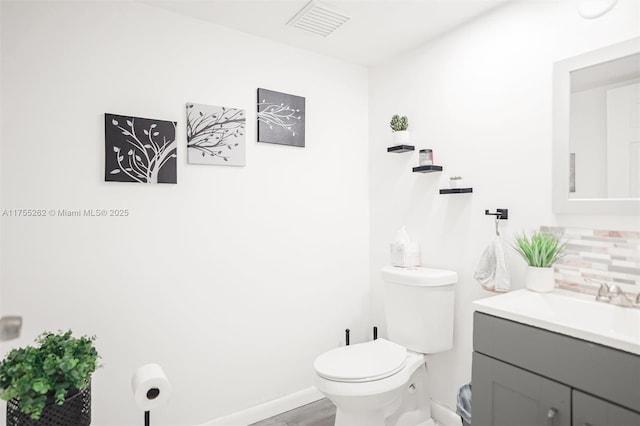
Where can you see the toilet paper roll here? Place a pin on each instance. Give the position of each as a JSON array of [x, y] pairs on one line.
[[151, 388]]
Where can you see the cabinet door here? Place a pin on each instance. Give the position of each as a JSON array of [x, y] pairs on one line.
[[591, 411], [504, 395]]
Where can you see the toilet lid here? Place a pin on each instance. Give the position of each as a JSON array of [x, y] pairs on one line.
[[363, 362]]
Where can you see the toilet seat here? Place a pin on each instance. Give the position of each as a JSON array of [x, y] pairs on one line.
[[363, 362]]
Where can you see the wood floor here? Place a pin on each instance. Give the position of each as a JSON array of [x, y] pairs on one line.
[[319, 413]]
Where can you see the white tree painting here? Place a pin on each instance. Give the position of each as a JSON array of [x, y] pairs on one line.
[[216, 135], [139, 150], [281, 118]]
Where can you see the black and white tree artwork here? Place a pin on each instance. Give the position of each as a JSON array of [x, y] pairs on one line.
[[216, 135], [139, 149], [280, 118]]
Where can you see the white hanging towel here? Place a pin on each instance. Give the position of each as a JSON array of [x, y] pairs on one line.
[[492, 271]]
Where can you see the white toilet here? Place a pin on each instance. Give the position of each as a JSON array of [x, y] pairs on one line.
[[384, 382]]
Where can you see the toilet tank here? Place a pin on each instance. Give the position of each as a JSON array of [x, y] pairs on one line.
[[419, 307]]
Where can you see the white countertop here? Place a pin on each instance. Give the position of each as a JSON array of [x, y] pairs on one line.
[[569, 313]]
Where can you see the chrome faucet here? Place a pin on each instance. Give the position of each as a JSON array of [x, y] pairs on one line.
[[618, 297], [614, 295], [603, 291]]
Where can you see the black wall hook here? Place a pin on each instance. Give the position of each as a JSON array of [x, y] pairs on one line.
[[501, 214]]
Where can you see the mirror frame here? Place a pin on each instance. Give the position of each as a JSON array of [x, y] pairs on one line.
[[561, 101]]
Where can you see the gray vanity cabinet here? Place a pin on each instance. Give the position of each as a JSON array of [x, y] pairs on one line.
[[504, 395], [527, 376], [592, 411]]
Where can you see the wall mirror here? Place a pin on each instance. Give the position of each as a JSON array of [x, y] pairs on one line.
[[596, 131]]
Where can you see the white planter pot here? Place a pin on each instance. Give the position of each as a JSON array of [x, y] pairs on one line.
[[401, 137], [540, 279]]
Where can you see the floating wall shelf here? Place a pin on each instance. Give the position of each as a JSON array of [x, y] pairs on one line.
[[427, 169], [456, 191], [401, 148]]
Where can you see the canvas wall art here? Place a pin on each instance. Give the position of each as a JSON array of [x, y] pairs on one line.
[[139, 150], [215, 135], [281, 118]]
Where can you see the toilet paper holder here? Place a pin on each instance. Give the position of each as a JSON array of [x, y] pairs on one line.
[[151, 394], [151, 389], [347, 333]]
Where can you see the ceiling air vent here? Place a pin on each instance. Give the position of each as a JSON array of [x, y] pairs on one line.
[[318, 18]]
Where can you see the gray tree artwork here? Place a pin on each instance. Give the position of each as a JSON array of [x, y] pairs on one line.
[[280, 118], [215, 135], [139, 150]]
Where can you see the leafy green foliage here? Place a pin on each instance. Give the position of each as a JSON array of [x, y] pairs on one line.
[[541, 250], [399, 123], [58, 363]]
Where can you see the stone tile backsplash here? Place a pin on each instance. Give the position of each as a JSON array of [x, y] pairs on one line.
[[611, 256]]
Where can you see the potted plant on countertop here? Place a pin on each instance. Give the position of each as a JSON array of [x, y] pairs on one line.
[[540, 251], [50, 382], [399, 126]]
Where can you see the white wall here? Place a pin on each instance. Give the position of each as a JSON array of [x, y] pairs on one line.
[[235, 278], [1, 197], [481, 98]]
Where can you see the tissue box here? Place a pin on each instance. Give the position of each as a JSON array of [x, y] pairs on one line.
[[405, 255]]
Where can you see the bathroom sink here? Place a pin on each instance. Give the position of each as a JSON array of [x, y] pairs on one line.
[[569, 313]]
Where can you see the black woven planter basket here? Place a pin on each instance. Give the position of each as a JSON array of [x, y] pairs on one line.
[[75, 411]]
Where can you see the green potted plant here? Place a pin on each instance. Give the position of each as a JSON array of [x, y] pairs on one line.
[[50, 382], [399, 126], [540, 251]]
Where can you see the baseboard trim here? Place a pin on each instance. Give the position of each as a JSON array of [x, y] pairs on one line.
[[268, 409], [443, 415]]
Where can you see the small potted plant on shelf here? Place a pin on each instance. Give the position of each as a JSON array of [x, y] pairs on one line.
[[50, 382], [399, 126], [540, 251]]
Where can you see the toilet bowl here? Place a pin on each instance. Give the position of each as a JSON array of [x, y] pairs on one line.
[[384, 382], [376, 383]]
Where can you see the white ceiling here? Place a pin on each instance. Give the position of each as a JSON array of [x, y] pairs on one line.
[[377, 31]]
